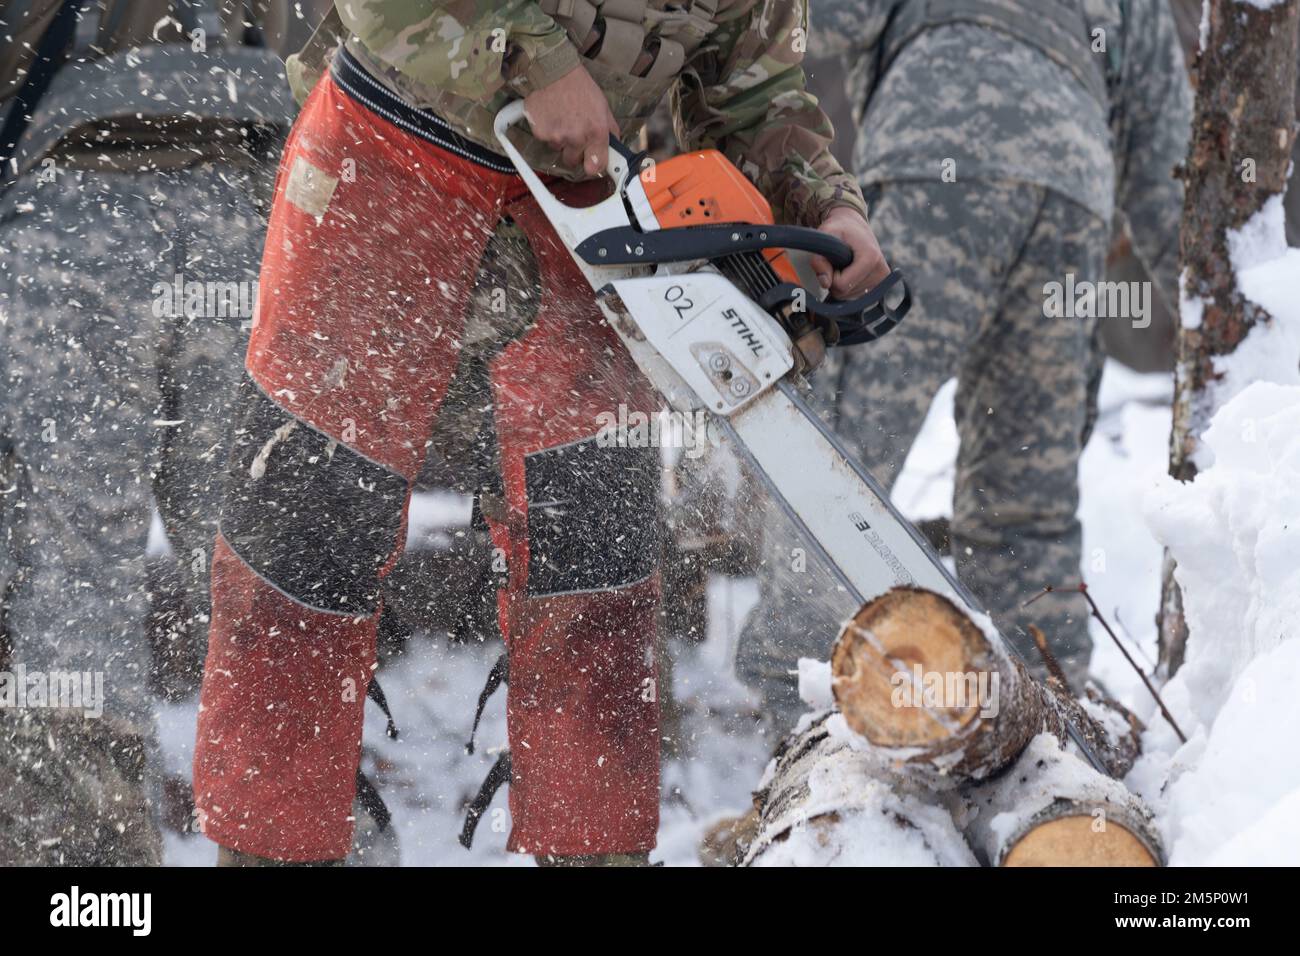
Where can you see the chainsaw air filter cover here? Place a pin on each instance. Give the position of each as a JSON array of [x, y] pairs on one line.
[[704, 188]]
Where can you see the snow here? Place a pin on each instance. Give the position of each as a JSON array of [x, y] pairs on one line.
[[1266, 272], [1262, 239], [1237, 804], [1271, 350], [924, 487], [1128, 456], [1235, 533], [815, 684]]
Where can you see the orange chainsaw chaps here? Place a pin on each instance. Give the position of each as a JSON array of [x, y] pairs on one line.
[[703, 188]]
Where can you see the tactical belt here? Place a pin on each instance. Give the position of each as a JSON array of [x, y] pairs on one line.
[[1057, 28], [353, 79]]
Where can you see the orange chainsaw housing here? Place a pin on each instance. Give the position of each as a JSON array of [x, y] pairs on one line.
[[703, 188]]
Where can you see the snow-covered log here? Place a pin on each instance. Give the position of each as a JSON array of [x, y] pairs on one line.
[[824, 802], [828, 800], [936, 694], [1050, 808]]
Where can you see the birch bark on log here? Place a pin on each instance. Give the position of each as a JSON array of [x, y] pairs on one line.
[[825, 802]]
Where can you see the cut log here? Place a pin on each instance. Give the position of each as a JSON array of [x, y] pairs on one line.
[[944, 744], [936, 693], [827, 800], [1051, 809], [826, 803]]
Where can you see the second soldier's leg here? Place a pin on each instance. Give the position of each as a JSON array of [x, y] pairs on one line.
[[218, 242], [954, 241], [82, 403], [1023, 412]]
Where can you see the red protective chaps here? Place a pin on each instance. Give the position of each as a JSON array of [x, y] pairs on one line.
[[375, 240]]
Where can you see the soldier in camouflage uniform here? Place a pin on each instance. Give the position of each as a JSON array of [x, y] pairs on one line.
[[995, 160], [391, 194], [142, 164]]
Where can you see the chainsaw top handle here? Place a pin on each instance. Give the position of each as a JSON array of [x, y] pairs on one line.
[[667, 245]]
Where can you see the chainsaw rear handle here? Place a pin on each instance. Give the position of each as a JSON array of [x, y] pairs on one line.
[[857, 321], [572, 224], [513, 112]]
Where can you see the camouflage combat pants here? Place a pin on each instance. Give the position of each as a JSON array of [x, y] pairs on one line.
[[977, 256], [116, 397]]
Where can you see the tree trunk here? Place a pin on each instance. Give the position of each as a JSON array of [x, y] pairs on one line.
[[1243, 131], [938, 697]]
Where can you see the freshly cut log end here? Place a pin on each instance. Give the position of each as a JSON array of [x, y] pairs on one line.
[[906, 632], [1075, 839], [923, 682], [1050, 808]]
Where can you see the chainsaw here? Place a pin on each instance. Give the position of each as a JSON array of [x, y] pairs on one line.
[[704, 290]]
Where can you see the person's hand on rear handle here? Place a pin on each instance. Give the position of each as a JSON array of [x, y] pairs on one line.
[[868, 267], [573, 116]]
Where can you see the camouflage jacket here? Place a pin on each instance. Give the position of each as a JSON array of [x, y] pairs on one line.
[[966, 101], [740, 90]]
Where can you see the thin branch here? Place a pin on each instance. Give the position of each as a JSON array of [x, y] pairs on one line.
[[1134, 643], [1096, 612]]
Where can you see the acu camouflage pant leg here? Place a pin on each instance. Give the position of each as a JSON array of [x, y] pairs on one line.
[[110, 401], [977, 256]]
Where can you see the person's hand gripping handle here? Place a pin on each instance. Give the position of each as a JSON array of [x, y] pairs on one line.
[[573, 116]]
